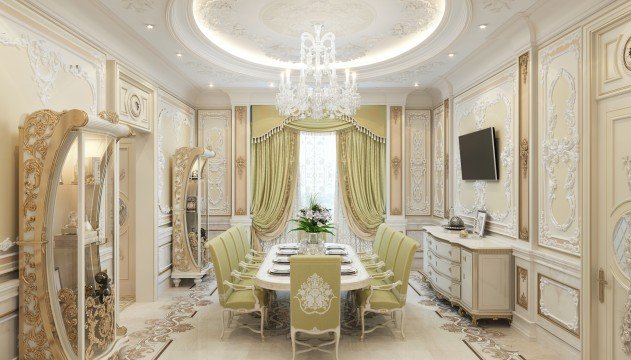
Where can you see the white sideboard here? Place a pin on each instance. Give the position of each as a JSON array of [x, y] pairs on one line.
[[473, 273]]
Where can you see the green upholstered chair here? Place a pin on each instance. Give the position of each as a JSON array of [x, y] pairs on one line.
[[388, 297], [237, 296], [315, 300]]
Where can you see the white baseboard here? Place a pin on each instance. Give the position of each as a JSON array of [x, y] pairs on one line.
[[526, 327]]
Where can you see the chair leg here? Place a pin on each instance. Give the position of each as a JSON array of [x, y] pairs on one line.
[[361, 312], [337, 345], [263, 314], [293, 345], [401, 323], [223, 324]]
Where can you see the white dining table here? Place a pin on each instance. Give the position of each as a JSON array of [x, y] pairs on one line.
[[265, 280]]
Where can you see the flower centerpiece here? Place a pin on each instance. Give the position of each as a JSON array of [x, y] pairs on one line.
[[315, 220]]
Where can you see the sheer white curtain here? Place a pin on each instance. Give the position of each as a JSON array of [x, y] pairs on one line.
[[317, 175]]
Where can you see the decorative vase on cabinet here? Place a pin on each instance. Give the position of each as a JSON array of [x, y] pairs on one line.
[[69, 224], [190, 188]]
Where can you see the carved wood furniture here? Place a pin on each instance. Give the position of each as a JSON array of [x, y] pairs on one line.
[[69, 218], [189, 191], [472, 273]]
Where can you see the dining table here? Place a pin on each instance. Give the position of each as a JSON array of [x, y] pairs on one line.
[[274, 271]]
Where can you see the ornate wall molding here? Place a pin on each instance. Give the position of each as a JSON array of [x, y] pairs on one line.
[[47, 59], [523, 183], [625, 329], [626, 161], [418, 181], [172, 119], [215, 133], [438, 162], [560, 67], [521, 289], [553, 312], [524, 151], [241, 149], [396, 154], [500, 89]]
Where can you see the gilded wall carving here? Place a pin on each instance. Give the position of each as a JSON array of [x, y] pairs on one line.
[[438, 163], [396, 153], [492, 103], [559, 75], [521, 290], [215, 133], [418, 138]]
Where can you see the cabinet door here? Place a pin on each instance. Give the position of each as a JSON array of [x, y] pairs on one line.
[[426, 241], [466, 277], [494, 273]]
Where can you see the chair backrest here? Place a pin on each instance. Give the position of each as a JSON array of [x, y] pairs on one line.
[[221, 264], [403, 265], [245, 239], [388, 232], [393, 250], [238, 242], [378, 237], [315, 292], [231, 249]]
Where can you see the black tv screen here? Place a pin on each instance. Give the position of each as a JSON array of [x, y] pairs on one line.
[[478, 159]]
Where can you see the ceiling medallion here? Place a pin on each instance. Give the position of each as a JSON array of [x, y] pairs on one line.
[[311, 97]]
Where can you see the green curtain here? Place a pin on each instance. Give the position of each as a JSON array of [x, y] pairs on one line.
[[361, 164], [275, 165]]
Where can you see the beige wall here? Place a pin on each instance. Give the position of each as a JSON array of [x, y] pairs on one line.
[[491, 103]]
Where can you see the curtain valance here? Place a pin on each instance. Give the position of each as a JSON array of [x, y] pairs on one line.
[[369, 119]]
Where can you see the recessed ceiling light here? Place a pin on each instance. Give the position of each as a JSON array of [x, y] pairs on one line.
[[416, 84], [210, 85], [451, 55], [271, 84], [149, 26], [482, 26], [178, 54]]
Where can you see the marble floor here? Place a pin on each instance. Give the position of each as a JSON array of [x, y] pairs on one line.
[[185, 324]]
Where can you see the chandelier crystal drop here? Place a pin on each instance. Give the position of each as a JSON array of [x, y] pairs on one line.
[[317, 94]]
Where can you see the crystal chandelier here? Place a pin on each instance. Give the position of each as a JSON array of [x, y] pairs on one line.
[[317, 94]]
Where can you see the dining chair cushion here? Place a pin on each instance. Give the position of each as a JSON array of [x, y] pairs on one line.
[[380, 299], [243, 299]]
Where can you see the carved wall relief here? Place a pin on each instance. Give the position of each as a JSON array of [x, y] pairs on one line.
[[521, 289], [418, 138], [559, 74], [396, 154], [559, 303], [438, 163], [175, 126], [215, 133], [492, 103], [241, 149], [524, 147]]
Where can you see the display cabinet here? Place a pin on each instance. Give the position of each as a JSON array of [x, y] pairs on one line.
[[68, 223], [190, 190]]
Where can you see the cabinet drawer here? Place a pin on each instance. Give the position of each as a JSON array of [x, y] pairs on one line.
[[446, 251], [445, 284], [444, 266]]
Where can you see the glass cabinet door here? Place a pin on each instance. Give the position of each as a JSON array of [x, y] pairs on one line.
[[99, 239], [63, 244], [192, 212]]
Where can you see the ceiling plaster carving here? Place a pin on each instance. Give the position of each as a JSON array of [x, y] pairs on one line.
[[138, 5], [497, 5], [272, 28], [412, 75]]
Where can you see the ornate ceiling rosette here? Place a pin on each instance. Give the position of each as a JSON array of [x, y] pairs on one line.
[[377, 37], [366, 31]]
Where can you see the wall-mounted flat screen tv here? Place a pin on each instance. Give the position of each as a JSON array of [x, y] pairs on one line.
[[478, 158]]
